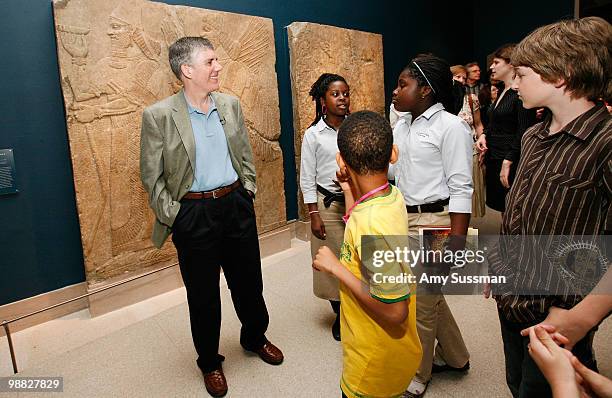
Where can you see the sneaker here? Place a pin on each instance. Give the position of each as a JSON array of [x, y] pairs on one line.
[[416, 389]]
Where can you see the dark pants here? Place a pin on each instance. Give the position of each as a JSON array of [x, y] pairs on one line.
[[210, 234], [523, 376], [495, 191]]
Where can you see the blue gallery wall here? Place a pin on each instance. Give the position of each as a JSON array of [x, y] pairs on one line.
[[496, 26], [40, 248]]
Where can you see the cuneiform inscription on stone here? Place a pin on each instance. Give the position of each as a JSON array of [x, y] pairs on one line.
[[113, 57], [315, 49]]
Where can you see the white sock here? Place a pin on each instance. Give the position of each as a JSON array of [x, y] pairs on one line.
[[416, 387], [439, 361]]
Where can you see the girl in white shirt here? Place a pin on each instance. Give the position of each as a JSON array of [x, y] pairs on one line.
[[322, 196], [434, 173]]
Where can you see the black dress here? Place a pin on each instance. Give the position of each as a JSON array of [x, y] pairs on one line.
[[508, 121]]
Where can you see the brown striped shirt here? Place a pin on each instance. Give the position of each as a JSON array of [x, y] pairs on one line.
[[563, 186]]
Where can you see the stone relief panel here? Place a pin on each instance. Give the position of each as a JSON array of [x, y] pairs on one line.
[[315, 49], [113, 57]]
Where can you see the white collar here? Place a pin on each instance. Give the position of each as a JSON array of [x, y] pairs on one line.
[[432, 110], [321, 125], [406, 118]]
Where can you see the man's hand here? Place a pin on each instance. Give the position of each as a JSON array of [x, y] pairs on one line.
[[317, 226], [325, 260], [554, 362], [504, 174], [567, 329]]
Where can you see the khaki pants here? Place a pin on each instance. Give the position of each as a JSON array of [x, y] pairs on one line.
[[435, 320], [324, 285], [478, 197]]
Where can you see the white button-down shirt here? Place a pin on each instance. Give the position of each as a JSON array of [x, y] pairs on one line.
[[435, 159], [395, 115], [318, 164]]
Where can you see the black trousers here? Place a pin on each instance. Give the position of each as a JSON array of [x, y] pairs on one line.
[[495, 191], [523, 376], [210, 234]]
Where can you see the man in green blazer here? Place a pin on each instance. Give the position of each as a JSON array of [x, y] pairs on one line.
[[197, 166]]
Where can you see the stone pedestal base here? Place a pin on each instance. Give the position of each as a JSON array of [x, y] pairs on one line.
[[169, 279]]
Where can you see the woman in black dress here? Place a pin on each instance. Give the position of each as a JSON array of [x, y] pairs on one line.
[[501, 139]]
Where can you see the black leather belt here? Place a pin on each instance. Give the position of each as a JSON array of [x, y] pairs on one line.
[[434, 207], [330, 197]]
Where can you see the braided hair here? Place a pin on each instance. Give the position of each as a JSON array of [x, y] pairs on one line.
[[435, 73], [318, 90]]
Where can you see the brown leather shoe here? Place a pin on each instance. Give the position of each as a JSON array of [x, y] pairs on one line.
[[270, 353], [215, 382]]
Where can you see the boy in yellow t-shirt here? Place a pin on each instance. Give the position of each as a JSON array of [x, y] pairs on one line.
[[381, 348]]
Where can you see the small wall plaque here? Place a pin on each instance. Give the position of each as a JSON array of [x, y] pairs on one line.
[[8, 183]]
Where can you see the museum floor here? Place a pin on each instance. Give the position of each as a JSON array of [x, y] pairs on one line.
[[145, 350]]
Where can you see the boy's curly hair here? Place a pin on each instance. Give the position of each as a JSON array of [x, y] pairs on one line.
[[365, 141]]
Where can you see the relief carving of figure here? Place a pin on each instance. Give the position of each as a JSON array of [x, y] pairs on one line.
[[243, 57], [107, 101]]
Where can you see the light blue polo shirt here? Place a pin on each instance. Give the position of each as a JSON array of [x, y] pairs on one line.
[[213, 163]]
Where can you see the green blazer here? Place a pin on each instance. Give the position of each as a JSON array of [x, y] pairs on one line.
[[167, 154]]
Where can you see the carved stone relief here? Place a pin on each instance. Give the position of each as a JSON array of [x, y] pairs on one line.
[[113, 57], [315, 49]]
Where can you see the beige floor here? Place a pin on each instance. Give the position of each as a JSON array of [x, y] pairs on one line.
[[145, 350]]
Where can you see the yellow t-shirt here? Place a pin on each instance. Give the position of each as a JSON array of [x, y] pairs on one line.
[[378, 363]]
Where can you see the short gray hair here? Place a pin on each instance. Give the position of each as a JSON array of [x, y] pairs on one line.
[[182, 50]]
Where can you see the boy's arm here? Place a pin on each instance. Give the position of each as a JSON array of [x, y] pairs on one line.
[[575, 323], [349, 199], [385, 314]]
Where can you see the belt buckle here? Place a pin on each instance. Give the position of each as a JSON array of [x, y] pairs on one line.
[[419, 209], [214, 192]]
